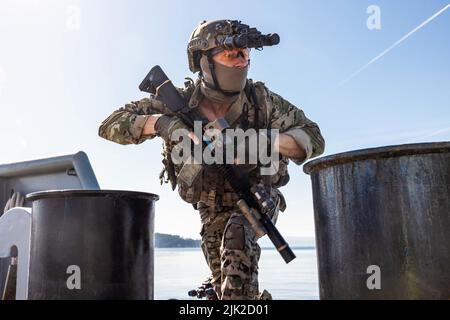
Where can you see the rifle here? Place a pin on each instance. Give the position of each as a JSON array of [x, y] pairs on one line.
[[254, 202]]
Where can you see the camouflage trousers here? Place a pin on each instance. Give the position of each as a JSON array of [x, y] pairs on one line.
[[232, 253]]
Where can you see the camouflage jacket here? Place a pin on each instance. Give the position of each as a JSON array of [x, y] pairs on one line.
[[125, 126]]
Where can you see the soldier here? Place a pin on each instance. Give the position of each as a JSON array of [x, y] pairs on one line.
[[222, 90]]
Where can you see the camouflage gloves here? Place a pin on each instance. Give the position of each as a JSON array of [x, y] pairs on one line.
[[166, 125]]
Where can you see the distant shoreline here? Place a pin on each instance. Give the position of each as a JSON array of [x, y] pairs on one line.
[[163, 240], [171, 241]]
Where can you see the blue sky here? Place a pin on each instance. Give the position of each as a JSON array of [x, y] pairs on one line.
[[60, 76]]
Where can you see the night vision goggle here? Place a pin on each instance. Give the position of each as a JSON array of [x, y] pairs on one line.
[[245, 37]]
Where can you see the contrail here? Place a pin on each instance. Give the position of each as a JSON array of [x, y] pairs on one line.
[[395, 44], [430, 134]]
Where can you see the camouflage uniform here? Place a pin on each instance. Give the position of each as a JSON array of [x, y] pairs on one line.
[[228, 241]]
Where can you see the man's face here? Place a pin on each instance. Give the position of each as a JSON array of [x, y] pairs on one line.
[[234, 58]]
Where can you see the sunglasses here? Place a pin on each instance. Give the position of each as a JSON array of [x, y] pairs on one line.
[[231, 54]]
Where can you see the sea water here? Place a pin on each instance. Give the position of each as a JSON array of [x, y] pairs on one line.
[[178, 270]]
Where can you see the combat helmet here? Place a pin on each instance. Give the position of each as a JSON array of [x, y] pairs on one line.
[[224, 33], [206, 36]]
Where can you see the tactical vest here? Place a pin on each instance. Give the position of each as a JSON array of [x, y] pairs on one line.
[[210, 188]]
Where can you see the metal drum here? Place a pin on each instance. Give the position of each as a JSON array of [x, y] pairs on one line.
[[382, 220], [72, 171], [91, 244]]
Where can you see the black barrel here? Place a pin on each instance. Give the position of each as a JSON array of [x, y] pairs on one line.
[[91, 244], [385, 207]]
